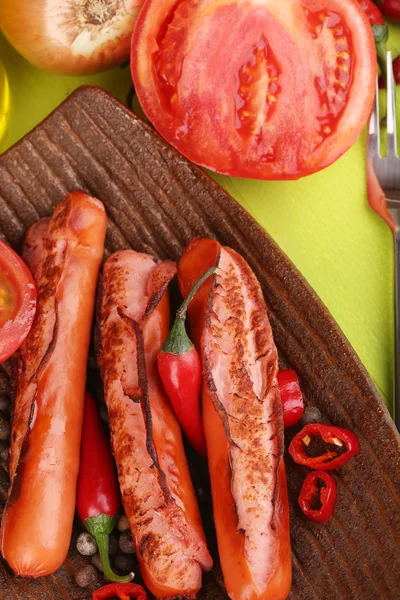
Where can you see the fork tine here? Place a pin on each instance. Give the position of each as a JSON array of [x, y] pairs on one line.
[[374, 133], [391, 109]]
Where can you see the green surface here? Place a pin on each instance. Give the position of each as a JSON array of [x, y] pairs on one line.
[[323, 222]]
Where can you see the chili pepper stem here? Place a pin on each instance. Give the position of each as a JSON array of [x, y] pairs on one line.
[[181, 313], [178, 341], [100, 527], [381, 34], [102, 544]]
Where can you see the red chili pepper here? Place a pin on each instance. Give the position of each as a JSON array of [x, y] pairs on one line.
[[124, 591], [318, 496], [396, 74], [98, 498], [396, 69], [342, 445], [372, 11], [180, 371], [379, 29], [291, 397], [391, 9]]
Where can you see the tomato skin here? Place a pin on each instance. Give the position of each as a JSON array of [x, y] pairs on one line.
[[18, 282], [199, 69]]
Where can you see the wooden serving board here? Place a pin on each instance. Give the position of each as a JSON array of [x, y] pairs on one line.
[[156, 202]]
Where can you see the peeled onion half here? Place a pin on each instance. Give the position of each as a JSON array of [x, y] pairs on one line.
[[70, 37]]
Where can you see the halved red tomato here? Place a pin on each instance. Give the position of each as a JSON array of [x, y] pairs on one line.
[[17, 301], [266, 89]]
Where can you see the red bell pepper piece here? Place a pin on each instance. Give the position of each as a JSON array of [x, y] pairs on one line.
[[318, 496], [341, 443], [98, 498], [180, 371], [291, 397], [124, 591]]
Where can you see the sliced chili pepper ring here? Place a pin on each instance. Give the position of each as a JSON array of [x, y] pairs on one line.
[[335, 448], [123, 591], [318, 496]]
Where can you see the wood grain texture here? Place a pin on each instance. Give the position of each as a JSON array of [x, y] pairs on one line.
[[156, 202]]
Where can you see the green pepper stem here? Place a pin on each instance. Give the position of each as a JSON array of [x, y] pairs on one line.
[[381, 34], [381, 54], [102, 544], [100, 527], [178, 341], [181, 313]]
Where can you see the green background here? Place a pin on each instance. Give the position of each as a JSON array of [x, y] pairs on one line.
[[323, 222]]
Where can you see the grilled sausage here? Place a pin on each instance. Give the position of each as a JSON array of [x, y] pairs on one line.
[[65, 254], [157, 492], [243, 422]]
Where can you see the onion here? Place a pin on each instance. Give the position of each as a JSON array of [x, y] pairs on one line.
[[70, 37]]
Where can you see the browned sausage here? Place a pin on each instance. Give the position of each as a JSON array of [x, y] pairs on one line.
[[157, 492], [65, 254], [243, 422]]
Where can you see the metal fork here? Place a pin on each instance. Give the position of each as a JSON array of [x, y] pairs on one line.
[[387, 170]]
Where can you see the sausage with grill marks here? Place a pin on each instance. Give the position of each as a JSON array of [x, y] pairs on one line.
[[64, 254], [157, 493]]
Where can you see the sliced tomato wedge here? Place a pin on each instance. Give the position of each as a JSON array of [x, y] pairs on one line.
[[17, 301], [265, 89]]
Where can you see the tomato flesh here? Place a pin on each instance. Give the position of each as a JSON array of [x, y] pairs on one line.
[[7, 301], [332, 88], [260, 71], [256, 88], [17, 301]]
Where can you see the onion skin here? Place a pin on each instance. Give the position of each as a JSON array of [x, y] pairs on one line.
[[68, 37]]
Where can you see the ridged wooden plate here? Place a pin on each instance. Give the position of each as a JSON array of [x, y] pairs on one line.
[[156, 202]]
